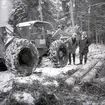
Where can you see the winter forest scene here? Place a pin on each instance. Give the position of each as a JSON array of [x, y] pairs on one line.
[[52, 52]]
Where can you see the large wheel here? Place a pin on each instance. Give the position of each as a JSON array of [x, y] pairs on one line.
[[58, 53], [21, 57]]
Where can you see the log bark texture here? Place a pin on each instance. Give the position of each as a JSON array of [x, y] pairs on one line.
[[92, 73], [99, 80], [80, 73]]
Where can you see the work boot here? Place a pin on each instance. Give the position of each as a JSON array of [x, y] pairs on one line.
[[74, 59], [69, 63], [69, 59], [85, 61], [80, 62]]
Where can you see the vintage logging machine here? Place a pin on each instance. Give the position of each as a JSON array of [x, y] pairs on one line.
[[32, 40]]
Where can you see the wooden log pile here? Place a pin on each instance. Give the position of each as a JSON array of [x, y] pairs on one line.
[[86, 78], [92, 74], [37, 90], [80, 73]]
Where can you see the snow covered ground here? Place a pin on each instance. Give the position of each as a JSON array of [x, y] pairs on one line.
[[95, 51], [50, 76]]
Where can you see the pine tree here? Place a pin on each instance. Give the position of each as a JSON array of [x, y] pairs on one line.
[[26, 10]]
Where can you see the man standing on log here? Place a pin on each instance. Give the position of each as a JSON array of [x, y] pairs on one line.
[[84, 47], [72, 46]]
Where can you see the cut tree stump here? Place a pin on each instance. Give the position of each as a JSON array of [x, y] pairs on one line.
[[80, 73]]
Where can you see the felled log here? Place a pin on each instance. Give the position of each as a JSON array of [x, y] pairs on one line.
[[101, 73], [92, 73], [23, 84], [39, 91], [80, 73], [33, 82], [99, 80], [28, 83]]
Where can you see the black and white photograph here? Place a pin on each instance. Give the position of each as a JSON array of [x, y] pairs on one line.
[[52, 52]]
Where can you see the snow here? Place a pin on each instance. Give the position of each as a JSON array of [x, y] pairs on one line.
[[54, 82], [45, 71], [24, 80], [95, 51], [5, 78], [35, 77], [25, 24], [53, 72], [24, 97]]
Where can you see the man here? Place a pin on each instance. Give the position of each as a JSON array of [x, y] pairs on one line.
[[72, 46], [84, 47]]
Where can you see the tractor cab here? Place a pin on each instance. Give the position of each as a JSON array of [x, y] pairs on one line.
[[35, 31]]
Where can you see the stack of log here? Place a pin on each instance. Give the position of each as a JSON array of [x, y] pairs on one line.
[[80, 73], [37, 90], [87, 76]]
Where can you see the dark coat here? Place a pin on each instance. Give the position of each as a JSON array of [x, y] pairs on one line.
[[72, 45], [84, 46]]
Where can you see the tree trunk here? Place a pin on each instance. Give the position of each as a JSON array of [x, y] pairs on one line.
[[80, 73], [99, 80], [92, 74]]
